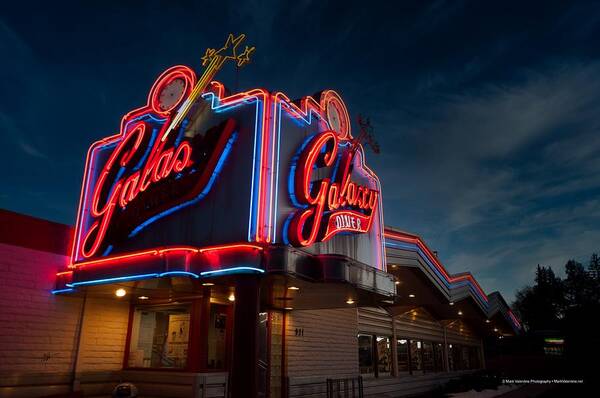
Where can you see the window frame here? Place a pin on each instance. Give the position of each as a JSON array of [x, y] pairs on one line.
[[197, 357]]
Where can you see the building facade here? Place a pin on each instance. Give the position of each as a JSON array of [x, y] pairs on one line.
[[232, 245]]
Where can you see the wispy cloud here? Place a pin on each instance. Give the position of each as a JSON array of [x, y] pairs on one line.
[[510, 166]]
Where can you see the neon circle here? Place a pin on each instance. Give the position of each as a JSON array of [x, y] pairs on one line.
[[166, 79], [336, 114]]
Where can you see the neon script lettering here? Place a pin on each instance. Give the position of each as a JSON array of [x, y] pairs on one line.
[[161, 163], [349, 206]]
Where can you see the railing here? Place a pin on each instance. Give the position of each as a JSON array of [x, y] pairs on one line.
[[351, 387], [345, 388]]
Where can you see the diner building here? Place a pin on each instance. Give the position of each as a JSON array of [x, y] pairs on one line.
[[233, 245]]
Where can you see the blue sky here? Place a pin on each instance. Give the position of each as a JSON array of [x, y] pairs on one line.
[[487, 113]]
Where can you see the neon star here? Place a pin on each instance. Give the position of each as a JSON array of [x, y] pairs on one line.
[[232, 44], [210, 53], [244, 57]]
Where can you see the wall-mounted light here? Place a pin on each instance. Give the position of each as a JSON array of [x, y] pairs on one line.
[[231, 297], [208, 284], [451, 303], [459, 312], [288, 308], [397, 282], [411, 295], [143, 297], [350, 301], [293, 288], [120, 292]]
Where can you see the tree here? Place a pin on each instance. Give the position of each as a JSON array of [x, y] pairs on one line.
[[577, 284], [541, 306], [595, 264]]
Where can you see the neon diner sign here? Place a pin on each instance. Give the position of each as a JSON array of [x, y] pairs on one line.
[[154, 156], [334, 204]]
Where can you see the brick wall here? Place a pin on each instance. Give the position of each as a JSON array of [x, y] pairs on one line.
[[103, 336], [38, 330]]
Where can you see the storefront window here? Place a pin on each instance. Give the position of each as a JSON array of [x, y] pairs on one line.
[[402, 355], [384, 355], [365, 354], [438, 357], [428, 364], [416, 359], [217, 337], [474, 357], [464, 356], [451, 357], [159, 337]]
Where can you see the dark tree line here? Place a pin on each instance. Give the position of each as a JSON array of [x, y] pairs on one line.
[[559, 304]]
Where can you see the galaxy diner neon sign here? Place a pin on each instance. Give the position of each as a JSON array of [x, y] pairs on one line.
[[333, 204], [169, 153]]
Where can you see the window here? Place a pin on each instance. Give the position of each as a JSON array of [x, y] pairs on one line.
[[384, 355], [438, 357], [402, 355], [428, 364], [160, 337], [416, 361], [451, 357], [365, 354], [217, 337], [464, 356], [474, 357]]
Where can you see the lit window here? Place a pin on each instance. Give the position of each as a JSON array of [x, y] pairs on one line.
[[217, 337], [365, 354], [384, 355], [160, 337], [402, 355]]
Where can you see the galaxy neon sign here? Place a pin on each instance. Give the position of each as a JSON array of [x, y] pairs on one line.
[[306, 179], [333, 204]]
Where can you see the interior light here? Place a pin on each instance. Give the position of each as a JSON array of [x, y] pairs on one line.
[[143, 297], [288, 308], [293, 288], [349, 301], [397, 282], [411, 295], [208, 284], [495, 329], [459, 312], [487, 321], [451, 303], [120, 292], [231, 297]]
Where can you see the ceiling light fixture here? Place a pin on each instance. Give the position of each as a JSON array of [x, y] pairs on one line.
[[349, 301], [208, 284], [459, 312], [231, 297], [120, 292], [293, 288], [143, 297], [411, 295]]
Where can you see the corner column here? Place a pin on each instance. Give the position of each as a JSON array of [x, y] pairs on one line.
[[244, 369]]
